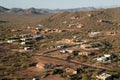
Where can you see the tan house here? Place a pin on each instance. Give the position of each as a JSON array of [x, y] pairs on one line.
[[85, 53], [40, 65], [70, 71], [85, 46]]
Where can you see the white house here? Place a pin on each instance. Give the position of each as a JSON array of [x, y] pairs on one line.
[[35, 78], [107, 55], [101, 59], [93, 34], [104, 59], [70, 51], [63, 51], [27, 48], [11, 41], [26, 39], [25, 42], [104, 76]]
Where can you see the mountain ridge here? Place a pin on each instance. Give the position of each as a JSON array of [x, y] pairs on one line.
[[43, 11]]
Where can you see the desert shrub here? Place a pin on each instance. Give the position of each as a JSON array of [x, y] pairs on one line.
[[43, 45], [57, 71], [106, 47], [16, 64], [25, 65], [2, 37], [75, 53], [45, 75], [6, 73], [68, 77], [85, 78], [75, 77]]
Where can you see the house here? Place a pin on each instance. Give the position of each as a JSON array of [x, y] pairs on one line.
[[71, 51], [76, 25], [105, 59], [1, 42], [93, 34], [13, 30], [27, 48], [26, 39], [85, 46], [11, 41], [71, 25], [63, 30], [40, 25], [25, 42], [35, 78], [62, 46], [23, 35], [70, 71], [104, 76], [38, 37], [102, 59], [23, 39], [43, 65], [112, 33], [74, 17], [80, 25], [35, 31], [108, 55], [63, 51], [48, 30], [89, 15], [38, 28], [29, 27], [84, 53], [100, 20], [40, 65]]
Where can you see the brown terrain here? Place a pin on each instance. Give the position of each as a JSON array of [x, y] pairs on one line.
[[18, 64]]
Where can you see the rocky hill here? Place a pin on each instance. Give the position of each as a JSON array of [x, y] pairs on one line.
[[90, 19], [2, 9], [22, 11], [42, 11], [71, 10]]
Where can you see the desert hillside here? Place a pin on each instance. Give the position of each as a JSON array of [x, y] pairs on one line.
[[63, 41]]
